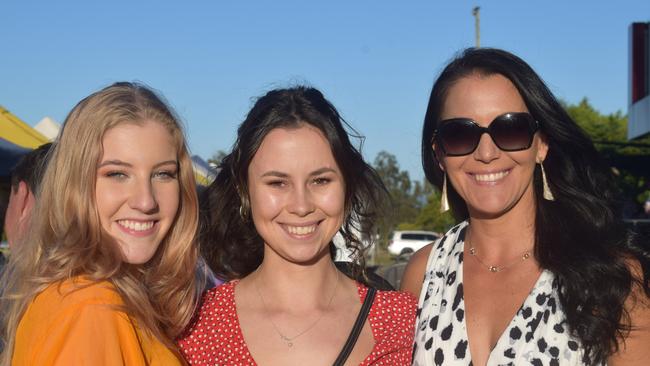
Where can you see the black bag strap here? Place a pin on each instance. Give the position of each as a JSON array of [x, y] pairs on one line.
[[356, 329]]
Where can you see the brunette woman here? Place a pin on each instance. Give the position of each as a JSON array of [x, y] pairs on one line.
[[292, 181], [541, 270]]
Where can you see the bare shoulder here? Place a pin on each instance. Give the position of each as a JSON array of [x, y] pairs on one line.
[[633, 349], [414, 272]]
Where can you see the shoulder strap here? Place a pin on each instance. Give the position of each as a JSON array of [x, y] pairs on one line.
[[356, 329]]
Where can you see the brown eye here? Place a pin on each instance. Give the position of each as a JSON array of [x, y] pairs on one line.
[[322, 180]]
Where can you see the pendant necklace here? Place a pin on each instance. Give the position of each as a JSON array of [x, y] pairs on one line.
[[494, 269], [289, 340]]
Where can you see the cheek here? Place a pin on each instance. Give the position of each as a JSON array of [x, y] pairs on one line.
[[527, 158], [107, 200], [332, 202], [168, 198], [11, 215], [265, 203]]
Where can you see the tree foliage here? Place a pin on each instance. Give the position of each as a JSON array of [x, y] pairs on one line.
[[628, 160], [414, 205]]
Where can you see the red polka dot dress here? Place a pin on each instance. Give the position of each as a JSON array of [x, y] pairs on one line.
[[215, 338]]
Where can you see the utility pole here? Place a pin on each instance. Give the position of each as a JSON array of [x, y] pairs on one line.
[[477, 15]]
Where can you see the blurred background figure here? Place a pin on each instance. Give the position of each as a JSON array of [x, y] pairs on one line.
[[25, 183]]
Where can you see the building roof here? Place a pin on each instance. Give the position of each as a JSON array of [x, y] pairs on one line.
[[18, 132]]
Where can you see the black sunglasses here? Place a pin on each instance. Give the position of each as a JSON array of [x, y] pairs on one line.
[[509, 131]]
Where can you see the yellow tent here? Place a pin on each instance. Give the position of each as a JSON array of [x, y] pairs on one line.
[[20, 133]]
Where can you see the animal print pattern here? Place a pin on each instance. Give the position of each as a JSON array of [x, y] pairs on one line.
[[537, 335]]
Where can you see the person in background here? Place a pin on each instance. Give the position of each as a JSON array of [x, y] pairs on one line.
[[105, 274], [541, 269], [25, 183], [292, 181]]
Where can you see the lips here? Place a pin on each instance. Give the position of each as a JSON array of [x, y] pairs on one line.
[[301, 230], [490, 177], [136, 226]]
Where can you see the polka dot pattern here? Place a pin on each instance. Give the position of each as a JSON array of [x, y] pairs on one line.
[[215, 338], [537, 334]]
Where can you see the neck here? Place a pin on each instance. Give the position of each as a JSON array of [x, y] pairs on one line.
[[503, 236], [290, 284]]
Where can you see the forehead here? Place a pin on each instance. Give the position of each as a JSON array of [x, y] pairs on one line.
[[293, 150], [148, 139], [482, 98]]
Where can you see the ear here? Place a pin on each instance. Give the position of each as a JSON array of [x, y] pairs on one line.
[[436, 154], [26, 200], [542, 148]]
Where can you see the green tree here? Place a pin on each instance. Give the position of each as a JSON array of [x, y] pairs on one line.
[[216, 158], [609, 133], [403, 206], [414, 205], [430, 217]]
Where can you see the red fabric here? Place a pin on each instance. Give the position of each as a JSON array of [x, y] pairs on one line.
[[215, 337]]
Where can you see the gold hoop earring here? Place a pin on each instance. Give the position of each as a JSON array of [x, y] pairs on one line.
[[242, 214]]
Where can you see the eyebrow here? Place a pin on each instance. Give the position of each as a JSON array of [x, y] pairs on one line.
[[278, 174], [128, 165]]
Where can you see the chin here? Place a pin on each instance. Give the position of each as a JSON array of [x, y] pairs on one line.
[[488, 211], [306, 257], [137, 258]]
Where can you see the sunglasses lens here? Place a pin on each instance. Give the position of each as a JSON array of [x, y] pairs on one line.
[[513, 131], [459, 137]]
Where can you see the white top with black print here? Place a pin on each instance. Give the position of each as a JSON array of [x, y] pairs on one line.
[[537, 335]]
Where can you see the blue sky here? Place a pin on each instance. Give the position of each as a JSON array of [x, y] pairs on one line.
[[375, 60]]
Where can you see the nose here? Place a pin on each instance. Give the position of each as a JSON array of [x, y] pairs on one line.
[[487, 150], [301, 202], [143, 196]]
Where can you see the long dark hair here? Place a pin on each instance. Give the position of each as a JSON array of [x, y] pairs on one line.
[[580, 236], [229, 242]]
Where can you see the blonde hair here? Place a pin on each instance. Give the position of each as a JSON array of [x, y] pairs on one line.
[[66, 239]]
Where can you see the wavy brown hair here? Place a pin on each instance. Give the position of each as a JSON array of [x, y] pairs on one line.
[[66, 239], [229, 242]]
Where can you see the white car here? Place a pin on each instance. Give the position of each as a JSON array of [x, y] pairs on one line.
[[402, 242]]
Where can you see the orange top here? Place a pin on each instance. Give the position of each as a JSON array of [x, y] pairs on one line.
[[69, 325]]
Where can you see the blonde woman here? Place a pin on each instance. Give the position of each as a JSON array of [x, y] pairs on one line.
[[106, 274]]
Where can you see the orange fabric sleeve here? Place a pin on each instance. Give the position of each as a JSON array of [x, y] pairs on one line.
[[84, 327]]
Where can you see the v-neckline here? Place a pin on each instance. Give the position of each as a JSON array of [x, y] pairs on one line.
[[500, 341], [361, 291]]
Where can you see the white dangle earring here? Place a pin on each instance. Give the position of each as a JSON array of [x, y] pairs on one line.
[[548, 195], [444, 202]]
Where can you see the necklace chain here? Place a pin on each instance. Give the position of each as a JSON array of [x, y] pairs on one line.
[[283, 337], [494, 269]]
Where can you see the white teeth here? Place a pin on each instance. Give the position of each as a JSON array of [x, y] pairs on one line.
[[136, 225], [301, 230], [491, 177]]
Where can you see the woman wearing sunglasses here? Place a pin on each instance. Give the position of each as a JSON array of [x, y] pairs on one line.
[[540, 270]]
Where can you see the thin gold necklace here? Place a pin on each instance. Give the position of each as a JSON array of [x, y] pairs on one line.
[[283, 337], [494, 269]]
